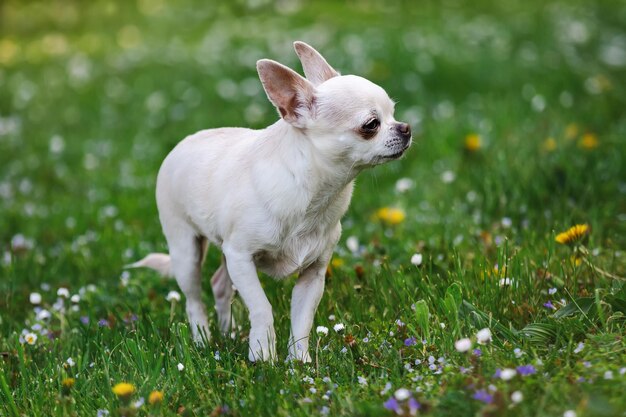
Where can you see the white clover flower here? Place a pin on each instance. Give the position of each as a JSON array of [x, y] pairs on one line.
[[308, 380], [362, 380], [404, 185], [30, 338], [579, 348], [447, 177], [442, 325], [43, 314], [608, 375], [463, 345], [125, 278], [180, 366], [70, 362], [338, 327], [507, 373], [386, 389], [63, 292], [552, 291], [353, 244], [173, 296], [322, 330], [517, 397], [402, 394], [569, 413], [331, 317], [518, 352], [139, 403], [483, 336], [35, 298], [505, 282], [417, 259], [75, 298]]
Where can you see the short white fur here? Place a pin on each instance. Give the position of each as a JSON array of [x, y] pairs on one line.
[[272, 199]]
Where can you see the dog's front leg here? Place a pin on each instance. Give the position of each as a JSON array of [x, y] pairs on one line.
[[305, 298], [244, 276]]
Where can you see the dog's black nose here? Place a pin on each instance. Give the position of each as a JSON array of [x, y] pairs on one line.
[[404, 129]]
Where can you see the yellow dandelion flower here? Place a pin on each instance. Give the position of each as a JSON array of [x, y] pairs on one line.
[[123, 389], [337, 262], [589, 141], [577, 260], [571, 131], [549, 144], [66, 386], [8, 51], [473, 142], [68, 382], [155, 397], [573, 234], [391, 216]]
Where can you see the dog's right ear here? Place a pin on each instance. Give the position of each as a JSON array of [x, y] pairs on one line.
[[315, 67], [292, 94]]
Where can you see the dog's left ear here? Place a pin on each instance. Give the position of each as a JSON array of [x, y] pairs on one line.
[[292, 94], [315, 67]]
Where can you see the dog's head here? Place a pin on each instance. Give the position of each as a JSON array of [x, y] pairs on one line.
[[349, 118]]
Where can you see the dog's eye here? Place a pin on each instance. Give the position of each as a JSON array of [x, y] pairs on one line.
[[371, 125]]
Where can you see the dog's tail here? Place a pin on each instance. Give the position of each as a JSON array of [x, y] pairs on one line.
[[159, 262]]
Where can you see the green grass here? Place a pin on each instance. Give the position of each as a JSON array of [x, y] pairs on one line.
[[95, 94]]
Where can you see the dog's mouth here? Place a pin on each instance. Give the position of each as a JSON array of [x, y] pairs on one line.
[[397, 154]]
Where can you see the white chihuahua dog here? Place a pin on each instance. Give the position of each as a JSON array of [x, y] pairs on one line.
[[272, 199]]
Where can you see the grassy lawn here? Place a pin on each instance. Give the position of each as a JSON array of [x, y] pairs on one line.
[[518, 113]]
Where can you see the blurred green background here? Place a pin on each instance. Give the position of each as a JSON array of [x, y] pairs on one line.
[[93, 95]]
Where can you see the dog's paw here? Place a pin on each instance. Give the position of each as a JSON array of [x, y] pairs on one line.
[[303, 357], [299, 351], [262, 345]]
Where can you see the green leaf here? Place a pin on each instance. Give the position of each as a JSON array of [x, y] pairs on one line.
[[578, 306], [452, 302], [539, 333], [422, 316]]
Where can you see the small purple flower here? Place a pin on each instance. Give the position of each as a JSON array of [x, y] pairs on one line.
[[392, 404], [580, 380], [497, 374], [132, 318], [414, 405], [103, 322], [84, 319], [549, 305], [526, 370], [477, 352], [464, 370], [484, 396], [410, 341]]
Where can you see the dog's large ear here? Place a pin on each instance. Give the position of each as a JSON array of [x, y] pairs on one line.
[[292, 94], [316, 69]]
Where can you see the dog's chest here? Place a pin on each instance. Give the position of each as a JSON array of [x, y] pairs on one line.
[[295, 252], [305, 239]]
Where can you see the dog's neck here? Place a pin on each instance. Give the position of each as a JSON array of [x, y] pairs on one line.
[[319, 172]]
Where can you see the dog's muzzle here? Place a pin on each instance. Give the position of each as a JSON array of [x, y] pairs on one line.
[[404, 131]]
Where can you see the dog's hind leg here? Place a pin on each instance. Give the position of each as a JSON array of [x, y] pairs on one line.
[[187, 253], [223, 292]]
